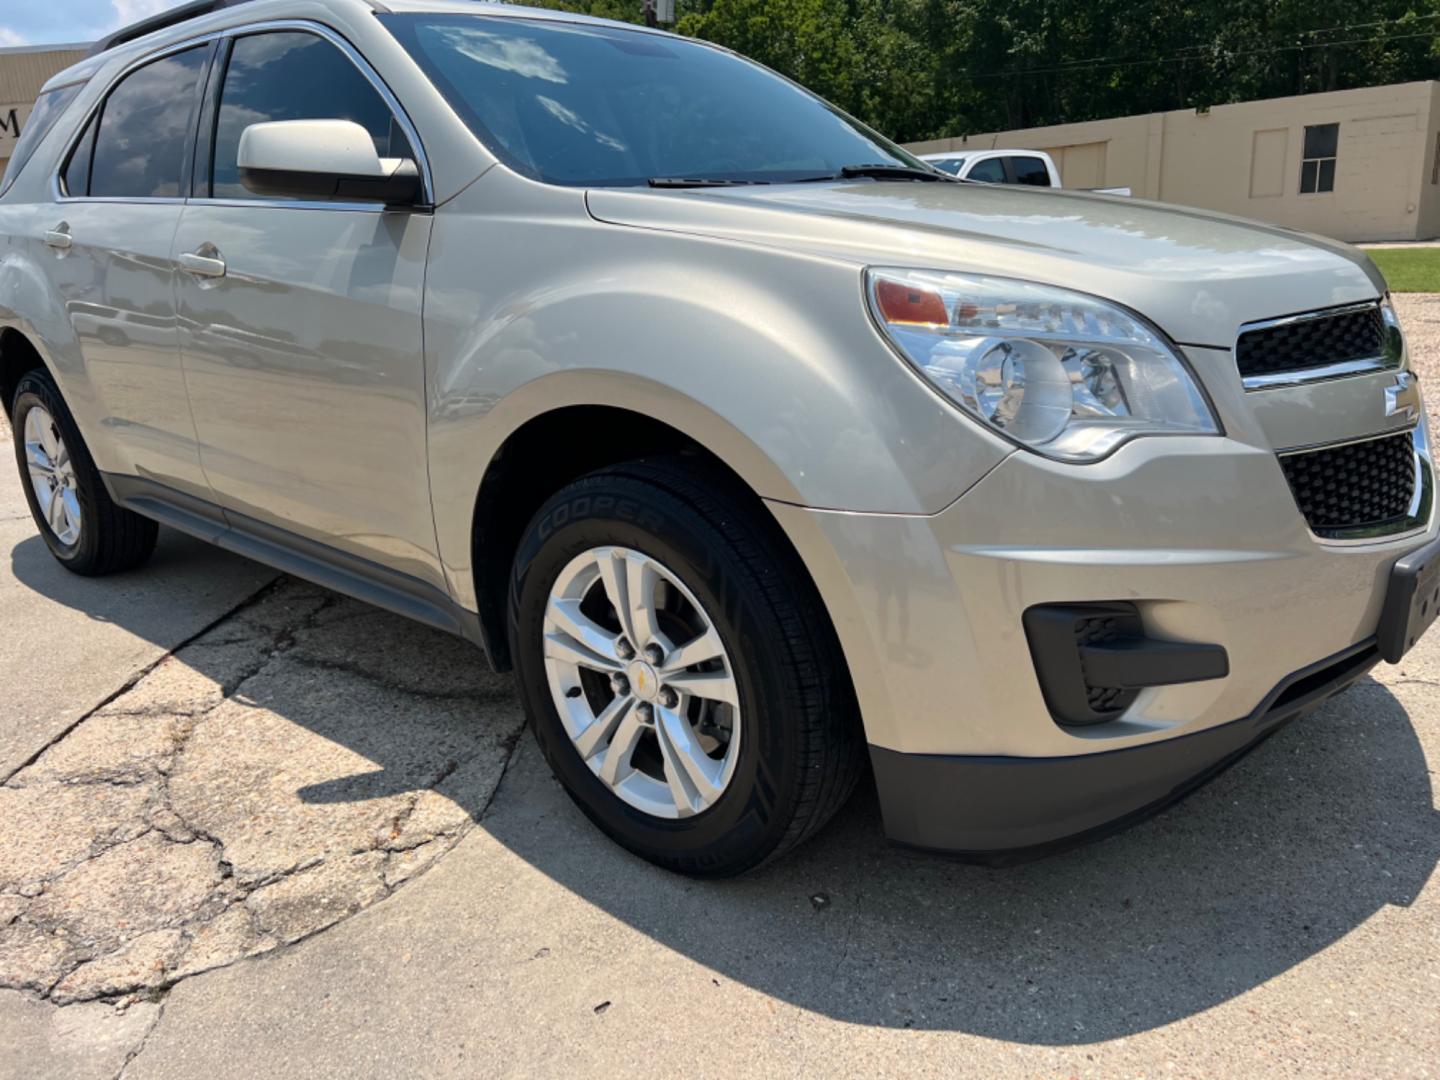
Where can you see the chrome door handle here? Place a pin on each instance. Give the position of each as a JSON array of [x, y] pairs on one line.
[[202, 265], [59, 237]]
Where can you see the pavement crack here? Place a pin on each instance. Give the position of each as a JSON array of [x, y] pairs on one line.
[[101, 846], [135, 678], [512, 751], [144, 1039]]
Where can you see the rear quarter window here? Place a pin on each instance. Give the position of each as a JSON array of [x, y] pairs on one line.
[[48, 108]]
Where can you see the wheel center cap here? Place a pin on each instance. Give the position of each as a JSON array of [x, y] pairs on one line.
[[644, 683]]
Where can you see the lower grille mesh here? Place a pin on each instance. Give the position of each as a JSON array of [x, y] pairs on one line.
[[1353, 486], [1103, 631]]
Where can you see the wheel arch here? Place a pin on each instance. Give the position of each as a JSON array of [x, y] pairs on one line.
[[36, 332], [553, 447], [18, 357]]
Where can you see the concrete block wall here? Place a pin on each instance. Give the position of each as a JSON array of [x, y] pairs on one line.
[[1245, 159]]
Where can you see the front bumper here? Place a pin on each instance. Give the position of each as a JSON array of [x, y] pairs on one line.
[[1201, 535], [1008, 809]]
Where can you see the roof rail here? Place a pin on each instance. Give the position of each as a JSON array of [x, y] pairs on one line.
[[184, 12]]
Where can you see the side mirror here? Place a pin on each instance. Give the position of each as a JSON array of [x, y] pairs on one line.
[[323, 159]]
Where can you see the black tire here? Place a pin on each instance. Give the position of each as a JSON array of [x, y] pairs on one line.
[[110, 537], [801, 750]]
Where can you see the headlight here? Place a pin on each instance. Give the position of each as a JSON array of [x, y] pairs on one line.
[[1394, 341], [1065, 374]]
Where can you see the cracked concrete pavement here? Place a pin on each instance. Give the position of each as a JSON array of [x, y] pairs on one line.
[[80, 640], [256, 829], [228, 803]]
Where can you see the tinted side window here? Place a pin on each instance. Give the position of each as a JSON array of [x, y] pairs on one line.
[[145, 125], [990, 171], [47, 110], [1030, 170], [294, 76]]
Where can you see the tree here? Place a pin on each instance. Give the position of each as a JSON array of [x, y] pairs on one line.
[[919, 69]]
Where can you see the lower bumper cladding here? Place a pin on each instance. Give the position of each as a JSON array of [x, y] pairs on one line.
[[1002, 810]]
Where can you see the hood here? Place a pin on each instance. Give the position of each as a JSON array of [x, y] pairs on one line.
[[1195, 274]]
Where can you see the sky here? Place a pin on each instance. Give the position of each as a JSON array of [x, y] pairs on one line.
[[49, 22]]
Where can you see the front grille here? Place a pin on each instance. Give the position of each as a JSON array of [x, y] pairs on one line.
[[1311, 342], [1358, 485], [1104, 630]]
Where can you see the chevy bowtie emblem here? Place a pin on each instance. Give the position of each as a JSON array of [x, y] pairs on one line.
[[1403, 399]]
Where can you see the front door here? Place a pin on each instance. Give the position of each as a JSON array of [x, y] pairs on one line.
[[300, 324]]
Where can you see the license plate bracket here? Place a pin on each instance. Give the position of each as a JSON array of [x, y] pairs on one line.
[[1412, 602]]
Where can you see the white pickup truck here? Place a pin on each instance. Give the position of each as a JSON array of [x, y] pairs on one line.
[[1033, 167]]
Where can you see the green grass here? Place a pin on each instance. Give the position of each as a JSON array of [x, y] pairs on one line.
[[1409, 269]]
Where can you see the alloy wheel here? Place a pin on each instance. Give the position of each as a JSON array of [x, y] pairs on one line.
[[52, 475], [642, 682]]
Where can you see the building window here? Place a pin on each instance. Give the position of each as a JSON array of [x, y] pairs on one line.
[[1317, 170]]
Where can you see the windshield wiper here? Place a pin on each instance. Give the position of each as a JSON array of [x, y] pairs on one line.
[[883, 171], [874, 170], [699, 181]]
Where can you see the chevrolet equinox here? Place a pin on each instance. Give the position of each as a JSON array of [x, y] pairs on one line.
[[761, 451]]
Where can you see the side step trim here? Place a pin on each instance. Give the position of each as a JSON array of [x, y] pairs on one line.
[[297, 555]]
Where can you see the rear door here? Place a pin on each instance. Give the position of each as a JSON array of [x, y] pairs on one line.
[[109, 238]]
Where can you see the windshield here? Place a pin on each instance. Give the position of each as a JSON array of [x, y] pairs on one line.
[[951, 165], [597, 106]]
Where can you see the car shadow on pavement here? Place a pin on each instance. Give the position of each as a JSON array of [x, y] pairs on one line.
[[1327, 824], [136, 600]]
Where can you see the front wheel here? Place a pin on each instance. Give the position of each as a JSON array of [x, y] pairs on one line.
[[84, 529], [679, 671]]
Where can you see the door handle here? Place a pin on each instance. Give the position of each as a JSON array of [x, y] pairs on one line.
[[211, 266], [59, 237]]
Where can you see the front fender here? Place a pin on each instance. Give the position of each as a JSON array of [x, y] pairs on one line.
[[766, 357]]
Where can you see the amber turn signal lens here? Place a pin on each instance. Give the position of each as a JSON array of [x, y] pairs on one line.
[[909, 305]]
